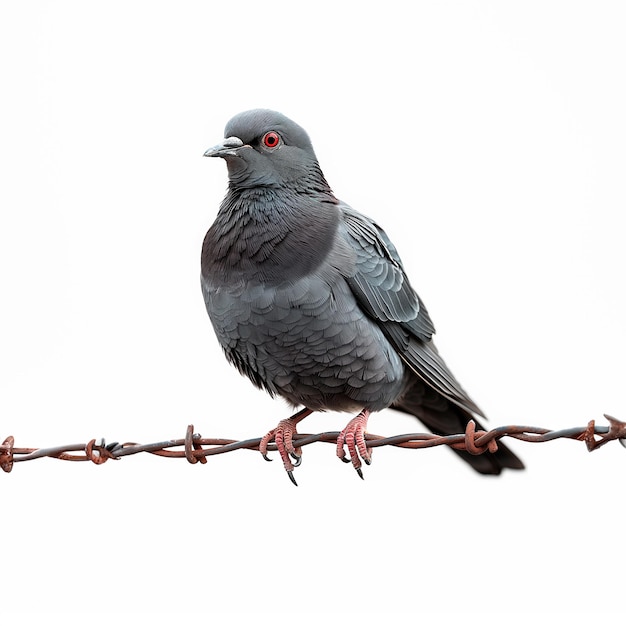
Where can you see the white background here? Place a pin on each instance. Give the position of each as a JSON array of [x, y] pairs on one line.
[[486, 137]]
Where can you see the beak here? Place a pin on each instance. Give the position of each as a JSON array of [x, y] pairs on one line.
[[228, 147]]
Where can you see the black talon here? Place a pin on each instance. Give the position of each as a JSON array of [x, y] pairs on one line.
[[267, 458], [297, 459], [359, 472], [368, 461], [345, 459], [291, 478]]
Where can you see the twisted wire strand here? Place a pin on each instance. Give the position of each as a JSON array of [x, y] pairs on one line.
[[194, 450]]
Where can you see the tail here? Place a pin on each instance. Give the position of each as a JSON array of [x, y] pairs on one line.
[[443, 417]]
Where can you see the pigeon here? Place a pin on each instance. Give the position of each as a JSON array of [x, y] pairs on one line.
[[309, 299]]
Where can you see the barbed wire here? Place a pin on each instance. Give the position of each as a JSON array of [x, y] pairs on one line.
[[194, 450]]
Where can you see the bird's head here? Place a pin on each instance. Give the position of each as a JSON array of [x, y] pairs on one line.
[[263, 148]]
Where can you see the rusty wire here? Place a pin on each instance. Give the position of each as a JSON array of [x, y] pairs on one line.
[[472, 440]]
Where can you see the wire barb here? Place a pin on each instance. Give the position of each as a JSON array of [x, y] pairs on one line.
[[6, 454], [196, 448]]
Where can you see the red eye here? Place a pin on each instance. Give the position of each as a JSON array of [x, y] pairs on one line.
[[271, 139]]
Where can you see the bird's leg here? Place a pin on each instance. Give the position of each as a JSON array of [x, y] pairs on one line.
[[283, 438], [353, 435]]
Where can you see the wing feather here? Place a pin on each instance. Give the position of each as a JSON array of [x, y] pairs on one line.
[[382, 289]]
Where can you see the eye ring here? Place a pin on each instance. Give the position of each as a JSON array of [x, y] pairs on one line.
[[271, 139]]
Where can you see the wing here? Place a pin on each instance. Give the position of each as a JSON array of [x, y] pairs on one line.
[[384, 292], [379, 283]]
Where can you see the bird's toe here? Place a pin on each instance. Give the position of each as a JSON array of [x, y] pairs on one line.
[[353, 438]]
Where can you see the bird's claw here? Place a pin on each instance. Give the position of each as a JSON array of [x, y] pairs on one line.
[[264, 442], [291, 478], [297, 458], [353, 436], [282, 436]]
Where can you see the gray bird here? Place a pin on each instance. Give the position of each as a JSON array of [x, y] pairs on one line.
[[309, 299]]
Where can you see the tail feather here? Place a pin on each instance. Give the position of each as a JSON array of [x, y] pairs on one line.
[[443, 417]]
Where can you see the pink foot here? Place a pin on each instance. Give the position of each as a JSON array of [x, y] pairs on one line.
[[353, 435], [283, 438]]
